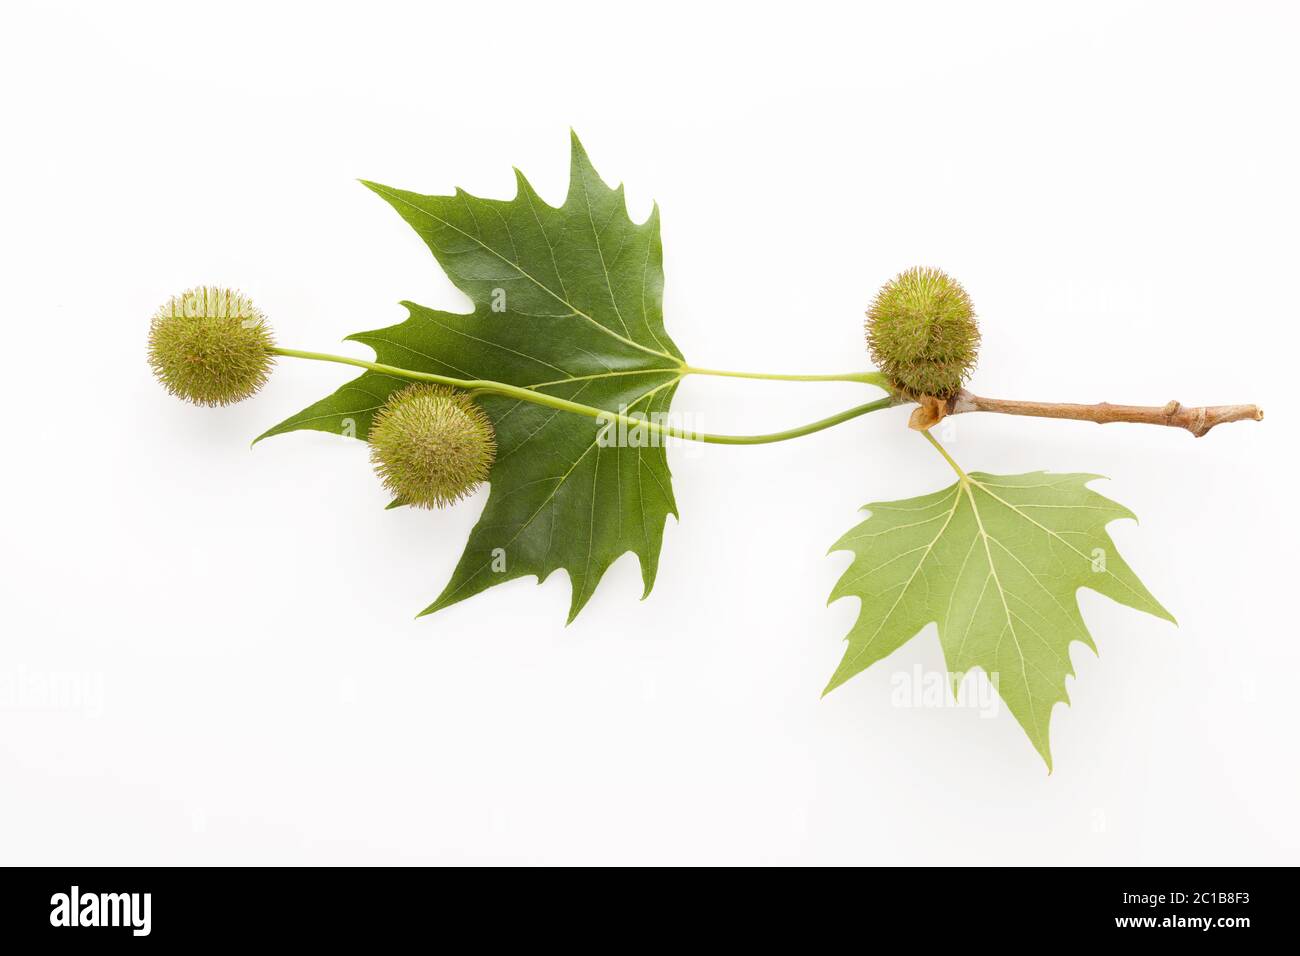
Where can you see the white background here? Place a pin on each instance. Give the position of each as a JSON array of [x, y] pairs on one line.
[[208, 654]]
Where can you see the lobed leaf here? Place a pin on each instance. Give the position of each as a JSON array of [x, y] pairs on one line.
[[567, 301], [995, 561]]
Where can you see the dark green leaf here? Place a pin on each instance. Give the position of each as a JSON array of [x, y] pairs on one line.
[[566, 301]]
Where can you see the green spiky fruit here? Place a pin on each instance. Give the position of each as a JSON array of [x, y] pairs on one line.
[[431, 445], [210, 346], [922, 332]]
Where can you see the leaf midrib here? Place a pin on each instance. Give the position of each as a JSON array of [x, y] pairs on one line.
[[993, 572]]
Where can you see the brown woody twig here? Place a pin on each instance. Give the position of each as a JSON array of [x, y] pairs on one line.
[[1198, 421]]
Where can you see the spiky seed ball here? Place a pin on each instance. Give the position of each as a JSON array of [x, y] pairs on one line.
[[431, 445], [922, 332], [210, 346]]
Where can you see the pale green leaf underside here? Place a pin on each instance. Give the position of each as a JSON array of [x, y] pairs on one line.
[[567, 301], [995, 561]]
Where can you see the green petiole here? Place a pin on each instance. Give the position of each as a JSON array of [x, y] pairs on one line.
[[658, 428]]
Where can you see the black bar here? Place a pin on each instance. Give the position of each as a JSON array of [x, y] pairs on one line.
[[333, 906]]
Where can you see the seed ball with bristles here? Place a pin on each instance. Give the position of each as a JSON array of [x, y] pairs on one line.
[[431, 445], [922, 332], [210, 346]]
